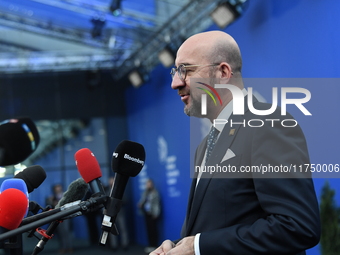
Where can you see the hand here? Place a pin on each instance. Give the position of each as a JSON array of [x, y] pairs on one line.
[[183, 247], [165, 247]]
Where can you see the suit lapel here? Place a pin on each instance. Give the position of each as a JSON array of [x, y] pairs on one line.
[[196, 196], [224, 142], [198, 158]]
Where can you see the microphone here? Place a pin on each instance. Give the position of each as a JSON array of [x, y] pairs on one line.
[[15, 184], [13, 206], [89, 169], [33, 176], [19, 138], [127, 161], [75, 191]]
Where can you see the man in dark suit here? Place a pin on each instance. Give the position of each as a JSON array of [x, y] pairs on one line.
[[241, 211]]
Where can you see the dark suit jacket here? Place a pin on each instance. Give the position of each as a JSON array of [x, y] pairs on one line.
[[248, 214]]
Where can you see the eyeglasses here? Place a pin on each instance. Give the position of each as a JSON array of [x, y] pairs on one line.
[[182, 70]]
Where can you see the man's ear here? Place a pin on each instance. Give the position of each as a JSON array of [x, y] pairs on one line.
[[226, 71]]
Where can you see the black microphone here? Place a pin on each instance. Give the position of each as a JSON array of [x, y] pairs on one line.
[[19, 138], [127, 161], [33, 176], [75, 191]]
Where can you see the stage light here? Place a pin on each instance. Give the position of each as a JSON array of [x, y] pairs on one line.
[[115, 7], [167, 57], [227, 12], [137, 78]]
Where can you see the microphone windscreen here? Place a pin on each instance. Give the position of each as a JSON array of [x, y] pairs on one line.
[[33, 176], [13, 206], [75, 191], [87, 165], [18, 139], [15, 184], [128, 158]]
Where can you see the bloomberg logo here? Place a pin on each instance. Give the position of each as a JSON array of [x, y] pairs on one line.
[[137, 160]]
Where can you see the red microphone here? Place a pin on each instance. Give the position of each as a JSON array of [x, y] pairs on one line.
[[13, 206], [89, 169]]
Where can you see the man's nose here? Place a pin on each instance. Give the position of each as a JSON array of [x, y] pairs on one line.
[[176, 82]]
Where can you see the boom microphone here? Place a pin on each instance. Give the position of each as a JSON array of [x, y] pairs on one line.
[[18, 139], [33, 176], [75, 191], [127, 161], [89, 169]]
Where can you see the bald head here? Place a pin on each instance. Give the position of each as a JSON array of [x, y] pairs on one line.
[[212, 55], [214, 47]]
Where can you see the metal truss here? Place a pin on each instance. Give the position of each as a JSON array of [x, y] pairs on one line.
[[191, 19], [132, 47]]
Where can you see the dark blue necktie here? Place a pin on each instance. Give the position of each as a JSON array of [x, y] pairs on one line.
[[212, 137]]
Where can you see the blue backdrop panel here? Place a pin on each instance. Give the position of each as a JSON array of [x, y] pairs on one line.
[[156, 120], [292, 38], [281, 39]]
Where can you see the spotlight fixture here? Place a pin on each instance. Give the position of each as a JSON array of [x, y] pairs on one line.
[[137, 78], [167, 56], [227, 12], [115, 7]]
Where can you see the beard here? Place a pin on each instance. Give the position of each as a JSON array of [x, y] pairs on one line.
[[194, 108]]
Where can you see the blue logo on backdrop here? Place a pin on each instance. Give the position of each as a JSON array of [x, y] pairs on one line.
[[171, 171]]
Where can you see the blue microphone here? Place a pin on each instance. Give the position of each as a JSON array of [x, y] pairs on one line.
[[15, 183]]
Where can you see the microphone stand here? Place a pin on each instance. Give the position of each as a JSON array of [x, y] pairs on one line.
[[86, 206], [34, 208], [41, 215]]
